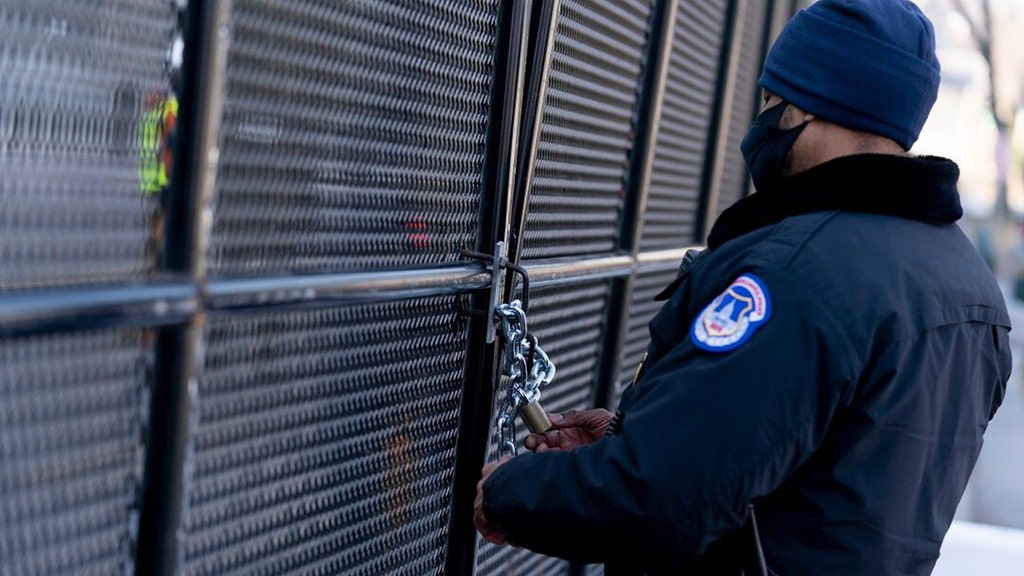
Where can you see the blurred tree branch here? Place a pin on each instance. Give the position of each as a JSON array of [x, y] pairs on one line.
[[982, 30], [982, 34]]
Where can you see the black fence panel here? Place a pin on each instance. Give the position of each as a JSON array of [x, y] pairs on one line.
[[586, 133], [672, 215], [209, 376], [734, 183], [81, 81], [642, 308], [568, 322], [326, 441], [353, 134], [71, 450]]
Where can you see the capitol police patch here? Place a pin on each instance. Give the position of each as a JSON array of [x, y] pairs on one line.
[[733, 317]]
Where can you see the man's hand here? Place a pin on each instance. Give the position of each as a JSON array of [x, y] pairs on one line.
[[571, 430], [489, 531]]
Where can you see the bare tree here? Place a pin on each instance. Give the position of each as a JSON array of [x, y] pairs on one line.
[[983, 33]]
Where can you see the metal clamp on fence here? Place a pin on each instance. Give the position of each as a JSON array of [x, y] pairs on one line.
[[528, 368]]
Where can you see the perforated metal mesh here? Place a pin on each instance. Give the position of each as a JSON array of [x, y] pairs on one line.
[[751, 29], [569, 324], [70, 451], [587, 129], [326, 442], [673, 201], [77, 79], [646, 285], [353, 134], [642, 308]]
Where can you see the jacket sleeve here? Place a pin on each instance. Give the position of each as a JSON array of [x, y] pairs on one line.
[[706, 433]]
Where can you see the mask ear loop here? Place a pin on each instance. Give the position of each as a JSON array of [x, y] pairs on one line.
[[779, 109]]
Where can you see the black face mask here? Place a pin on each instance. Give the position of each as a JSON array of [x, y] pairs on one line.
[[766, 145]]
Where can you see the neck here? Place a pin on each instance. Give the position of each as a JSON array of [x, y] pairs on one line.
[[822, 141]]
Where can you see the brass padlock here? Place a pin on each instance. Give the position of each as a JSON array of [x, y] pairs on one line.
[[536, 419]]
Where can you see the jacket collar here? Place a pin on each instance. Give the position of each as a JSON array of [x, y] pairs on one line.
[[917, 188]]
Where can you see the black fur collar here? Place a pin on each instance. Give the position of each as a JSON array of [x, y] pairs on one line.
[[918, 188]]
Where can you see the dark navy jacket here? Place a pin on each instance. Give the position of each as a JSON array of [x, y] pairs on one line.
[[851, 417]]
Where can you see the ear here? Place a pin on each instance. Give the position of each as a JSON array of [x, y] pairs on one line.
[[809, 117]]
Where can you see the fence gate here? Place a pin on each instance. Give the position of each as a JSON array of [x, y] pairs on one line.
[[239, 330]]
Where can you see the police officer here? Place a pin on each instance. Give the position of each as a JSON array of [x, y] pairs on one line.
[[830, 362]]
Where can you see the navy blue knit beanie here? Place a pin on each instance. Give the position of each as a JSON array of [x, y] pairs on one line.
[[867, 65]]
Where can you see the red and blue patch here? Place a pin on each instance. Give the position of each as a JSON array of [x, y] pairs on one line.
[[733, 317]]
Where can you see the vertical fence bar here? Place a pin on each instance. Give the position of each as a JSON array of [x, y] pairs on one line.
[[198, 147], [495, 214], [614, 335], [659, 50], [779, 13], [719, 131], [162, 493], [776, 15], [178, 353], [544, 23]]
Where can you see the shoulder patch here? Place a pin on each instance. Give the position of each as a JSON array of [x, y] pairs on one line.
[[733, 317]]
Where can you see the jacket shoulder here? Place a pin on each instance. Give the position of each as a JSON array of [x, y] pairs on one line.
[[902, 273]]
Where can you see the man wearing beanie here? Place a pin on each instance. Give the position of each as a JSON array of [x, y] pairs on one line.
[[818, 382]]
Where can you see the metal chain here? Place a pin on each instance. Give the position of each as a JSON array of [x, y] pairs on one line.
[[527, 367]]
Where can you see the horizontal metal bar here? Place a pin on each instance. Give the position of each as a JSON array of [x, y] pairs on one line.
[[345, 288], [664, 256], [565, 270], [32, 311], [568, 270], [72, 308]]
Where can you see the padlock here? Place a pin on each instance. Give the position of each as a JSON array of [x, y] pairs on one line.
[[536, 419]]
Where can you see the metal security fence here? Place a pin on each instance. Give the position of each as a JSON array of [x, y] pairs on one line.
[[243, 309], [730, 181], [325, 441], [585, 133], [353, 135], [78, 81], [647, 283], [72, 419], [568, 322], [681, 150]]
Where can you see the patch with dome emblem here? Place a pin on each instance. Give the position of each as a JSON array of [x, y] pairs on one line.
[[733, 317]]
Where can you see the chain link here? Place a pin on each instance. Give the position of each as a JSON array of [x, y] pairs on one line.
[[527, 367]]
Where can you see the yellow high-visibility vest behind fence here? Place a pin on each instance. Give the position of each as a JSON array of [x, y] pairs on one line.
[[155, 154]]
